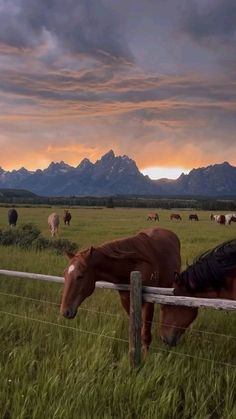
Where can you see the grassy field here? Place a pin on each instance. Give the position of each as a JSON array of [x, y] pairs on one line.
[[54, 368]]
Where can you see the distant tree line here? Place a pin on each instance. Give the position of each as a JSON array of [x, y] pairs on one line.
[[209, 204]]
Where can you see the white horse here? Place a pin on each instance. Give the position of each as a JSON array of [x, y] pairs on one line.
[[53, 223], [229, 218]]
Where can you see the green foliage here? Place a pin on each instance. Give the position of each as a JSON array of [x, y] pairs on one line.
[[29, 236], [194, 202]]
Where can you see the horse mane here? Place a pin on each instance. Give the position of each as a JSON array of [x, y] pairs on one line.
[[135, 247], [211, 268]]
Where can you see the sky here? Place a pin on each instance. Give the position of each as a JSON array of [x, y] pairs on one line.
[[152, 79]]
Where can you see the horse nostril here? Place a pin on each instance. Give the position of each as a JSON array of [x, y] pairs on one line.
[[170, 340], [69, 313]]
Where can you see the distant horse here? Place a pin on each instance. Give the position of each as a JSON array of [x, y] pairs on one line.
[[175, 217], [153, 216], [53, 223], [67, 217], [154, 252], [229, 218], [220, 219], [212, 275], [193, 217], [12, 217]]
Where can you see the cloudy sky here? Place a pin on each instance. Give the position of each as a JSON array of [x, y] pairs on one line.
[[153, 79]]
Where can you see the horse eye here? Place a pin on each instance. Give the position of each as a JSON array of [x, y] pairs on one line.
[[79, 277]]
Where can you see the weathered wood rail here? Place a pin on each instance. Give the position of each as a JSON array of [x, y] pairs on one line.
[[149, 294]]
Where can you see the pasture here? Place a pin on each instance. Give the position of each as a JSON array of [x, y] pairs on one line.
[[55, 368]]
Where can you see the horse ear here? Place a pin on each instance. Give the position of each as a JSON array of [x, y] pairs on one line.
[[69, 255], [91, 250], [177, 279]]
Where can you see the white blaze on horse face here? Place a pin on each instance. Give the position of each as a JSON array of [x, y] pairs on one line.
[[71, 269]]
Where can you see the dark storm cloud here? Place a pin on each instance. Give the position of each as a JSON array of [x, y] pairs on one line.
[[145, 74], [211, 19], [83, 27]]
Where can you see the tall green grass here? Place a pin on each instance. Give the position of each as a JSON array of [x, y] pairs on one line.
[[54, 368]]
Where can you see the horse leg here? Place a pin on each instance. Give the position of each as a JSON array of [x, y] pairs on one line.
[[147, 316]]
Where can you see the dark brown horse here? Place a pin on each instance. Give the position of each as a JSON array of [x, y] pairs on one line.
[[213, 275], [67, 217], [12, 217], [153, 216], [175, 217], [221, 219], [154, 252], [193, 217]]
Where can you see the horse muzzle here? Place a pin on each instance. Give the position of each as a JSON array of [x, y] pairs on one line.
[[170, 340], [69, 313]]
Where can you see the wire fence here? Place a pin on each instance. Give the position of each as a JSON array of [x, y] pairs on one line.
[[106, 313], [114, 338], [102, 335]]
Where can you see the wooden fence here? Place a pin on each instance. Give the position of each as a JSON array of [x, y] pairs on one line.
[[138, 293]]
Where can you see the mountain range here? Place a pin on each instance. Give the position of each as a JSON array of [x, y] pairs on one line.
[[119, 175]]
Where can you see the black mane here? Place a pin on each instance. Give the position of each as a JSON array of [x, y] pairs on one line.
[[211, 268]]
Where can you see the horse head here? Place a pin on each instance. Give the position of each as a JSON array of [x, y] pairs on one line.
[[176, 319], [80, 282]]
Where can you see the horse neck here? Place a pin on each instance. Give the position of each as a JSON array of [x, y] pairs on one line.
[[114, 270]]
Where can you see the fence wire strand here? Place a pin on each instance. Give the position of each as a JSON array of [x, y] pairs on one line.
[[75, 329], [119, 316]]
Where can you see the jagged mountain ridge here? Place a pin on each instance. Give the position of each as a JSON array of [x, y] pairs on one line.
[[113, 175]]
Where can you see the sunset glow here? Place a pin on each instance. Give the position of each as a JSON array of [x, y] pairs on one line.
[[164, 172], [81, 78]]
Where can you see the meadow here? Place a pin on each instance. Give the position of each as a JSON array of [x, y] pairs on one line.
[[55, 368]]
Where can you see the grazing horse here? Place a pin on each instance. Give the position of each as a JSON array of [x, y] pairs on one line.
[[153, 216], [53, 223], [193, 217], [221, 219], [212, 275], [67, 217], [175, 217], [229, 218], [12, 217], [154, 252], [233, 219]]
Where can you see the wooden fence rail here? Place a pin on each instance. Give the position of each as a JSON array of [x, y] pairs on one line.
[[149, 294]]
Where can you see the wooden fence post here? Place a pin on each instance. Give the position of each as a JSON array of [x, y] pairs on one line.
[[135, 317]]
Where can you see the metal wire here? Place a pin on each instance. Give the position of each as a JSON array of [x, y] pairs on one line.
[[119, 316], [115, 338], [62, 326], [225, 364]]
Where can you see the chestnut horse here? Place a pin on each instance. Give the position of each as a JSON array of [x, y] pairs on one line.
[[154, 252], [175, 217], [213, 275], [153, 216]]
